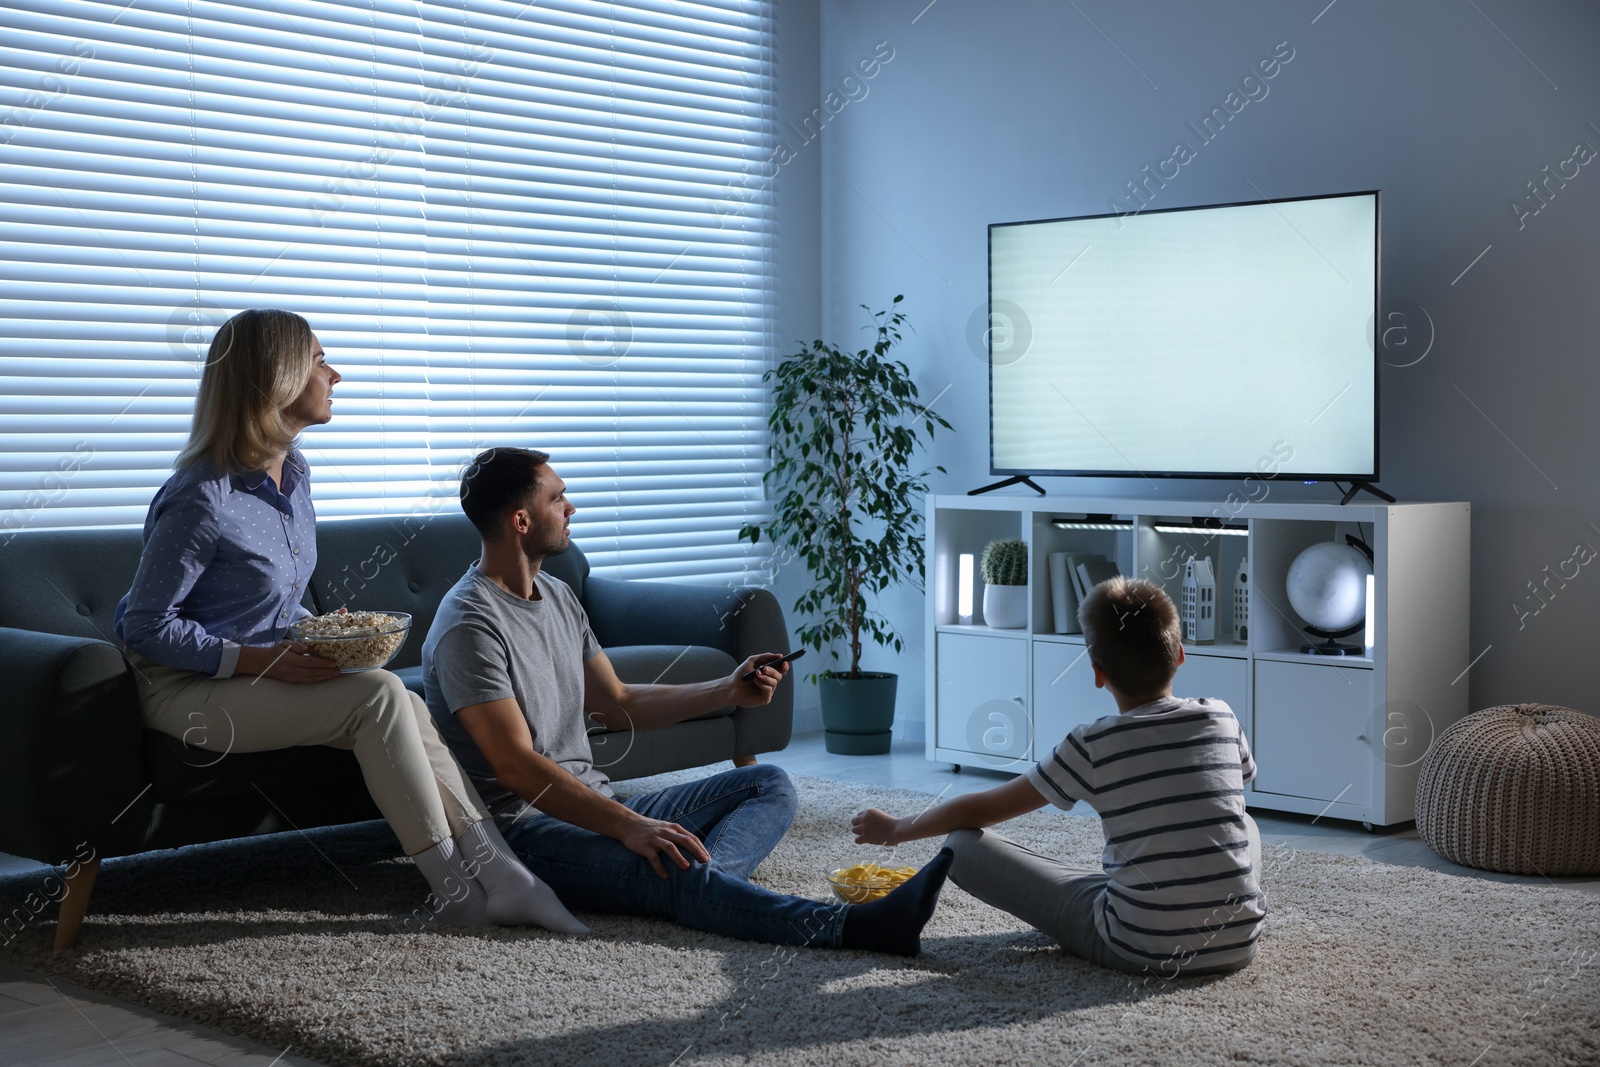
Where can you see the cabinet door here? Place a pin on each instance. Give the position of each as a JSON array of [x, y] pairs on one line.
[[1224, 677], [982, 698], [1064, 695], [1310, 726]]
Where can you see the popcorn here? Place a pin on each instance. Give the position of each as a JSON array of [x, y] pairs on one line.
[[355, 640]]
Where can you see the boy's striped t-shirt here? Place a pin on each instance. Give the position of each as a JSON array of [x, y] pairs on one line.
[[1168, 781]]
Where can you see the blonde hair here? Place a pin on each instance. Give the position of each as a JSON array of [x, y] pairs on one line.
[[1131, 628], [257, 365]]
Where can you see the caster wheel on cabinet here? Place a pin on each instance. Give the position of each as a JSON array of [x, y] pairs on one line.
[[1367, 826], [955, 768]]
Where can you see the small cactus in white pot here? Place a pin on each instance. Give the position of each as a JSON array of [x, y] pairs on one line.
[[1005, 584]]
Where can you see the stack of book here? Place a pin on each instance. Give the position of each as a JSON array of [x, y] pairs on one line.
[[1072, 575]]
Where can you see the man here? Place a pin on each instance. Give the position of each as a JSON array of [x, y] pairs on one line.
[[510, 668]]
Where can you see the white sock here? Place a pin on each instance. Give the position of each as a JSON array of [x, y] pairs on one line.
[[456, 897], [516, 897]]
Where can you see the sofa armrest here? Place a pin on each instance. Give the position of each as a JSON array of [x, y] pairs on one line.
[[740, 620], [761, 628], [72, 761]]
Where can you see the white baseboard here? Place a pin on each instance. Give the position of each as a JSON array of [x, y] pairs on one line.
[[807, 720], [911, 729]]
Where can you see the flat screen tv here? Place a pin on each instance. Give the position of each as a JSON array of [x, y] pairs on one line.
[[1207, 342]]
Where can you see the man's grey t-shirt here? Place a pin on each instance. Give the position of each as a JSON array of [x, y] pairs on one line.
[[486, 644]]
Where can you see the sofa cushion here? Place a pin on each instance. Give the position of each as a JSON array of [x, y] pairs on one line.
[[624, 612], [399, 563], [68, 581]]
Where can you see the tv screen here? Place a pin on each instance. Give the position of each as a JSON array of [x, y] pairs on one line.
[[1216, 341]]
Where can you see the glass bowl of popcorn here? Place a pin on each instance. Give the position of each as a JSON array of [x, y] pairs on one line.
[[355, 640]]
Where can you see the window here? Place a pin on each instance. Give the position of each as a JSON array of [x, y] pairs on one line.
[[540, 224]]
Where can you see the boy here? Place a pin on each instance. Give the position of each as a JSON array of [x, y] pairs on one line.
[[1178, 893]]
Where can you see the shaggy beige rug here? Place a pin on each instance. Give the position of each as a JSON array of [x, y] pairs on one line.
[[1360, 963]]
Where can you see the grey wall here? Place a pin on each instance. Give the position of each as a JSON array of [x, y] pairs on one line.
[[797, 192], [797, 185], [1004, 111]]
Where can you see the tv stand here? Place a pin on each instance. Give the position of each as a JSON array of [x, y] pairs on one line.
[[1360, 487], [1015, 479], [1340, 737]]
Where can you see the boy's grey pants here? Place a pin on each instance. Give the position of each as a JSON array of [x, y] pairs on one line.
[[1055, 897]]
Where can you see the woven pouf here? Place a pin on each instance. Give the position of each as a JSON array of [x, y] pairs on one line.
[[1516, 789]]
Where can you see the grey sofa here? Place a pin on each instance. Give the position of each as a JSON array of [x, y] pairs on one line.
[[80, 776]]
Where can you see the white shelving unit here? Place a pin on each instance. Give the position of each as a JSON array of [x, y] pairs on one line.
[[1334, 736]]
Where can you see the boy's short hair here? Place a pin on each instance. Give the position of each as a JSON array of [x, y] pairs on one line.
[[497, 481], [1131, 628]]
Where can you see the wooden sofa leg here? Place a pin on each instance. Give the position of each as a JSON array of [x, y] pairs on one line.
[[75, 904], [744, 761]]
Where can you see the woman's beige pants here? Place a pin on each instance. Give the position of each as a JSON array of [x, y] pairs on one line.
[[412, 776]]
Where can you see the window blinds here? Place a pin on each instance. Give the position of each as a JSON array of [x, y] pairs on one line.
[[541, 224]]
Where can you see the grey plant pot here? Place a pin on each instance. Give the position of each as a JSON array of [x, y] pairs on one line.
[[857, 714]]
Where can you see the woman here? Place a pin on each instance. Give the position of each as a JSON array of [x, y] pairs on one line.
[[229, 545]]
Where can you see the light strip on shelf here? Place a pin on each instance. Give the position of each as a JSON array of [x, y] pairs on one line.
[[1107, 523], [1185, 528]]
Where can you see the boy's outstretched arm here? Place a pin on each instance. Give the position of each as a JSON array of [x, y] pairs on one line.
[[974, 810]]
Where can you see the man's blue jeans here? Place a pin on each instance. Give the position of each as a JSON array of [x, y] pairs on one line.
[[740, 815]]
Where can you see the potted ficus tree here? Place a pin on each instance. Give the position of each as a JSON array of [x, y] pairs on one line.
[[847, 502]]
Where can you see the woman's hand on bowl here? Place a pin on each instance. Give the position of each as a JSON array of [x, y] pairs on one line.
[[287, 661]]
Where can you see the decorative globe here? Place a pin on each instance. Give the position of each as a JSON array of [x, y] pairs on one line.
[[1328, 585]]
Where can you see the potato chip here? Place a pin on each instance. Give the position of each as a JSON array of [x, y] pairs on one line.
[[863, 882]]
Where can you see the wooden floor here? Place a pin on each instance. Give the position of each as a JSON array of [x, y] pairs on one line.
[[48, 1023]]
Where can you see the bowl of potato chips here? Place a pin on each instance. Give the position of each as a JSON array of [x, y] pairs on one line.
[[863, 882]]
